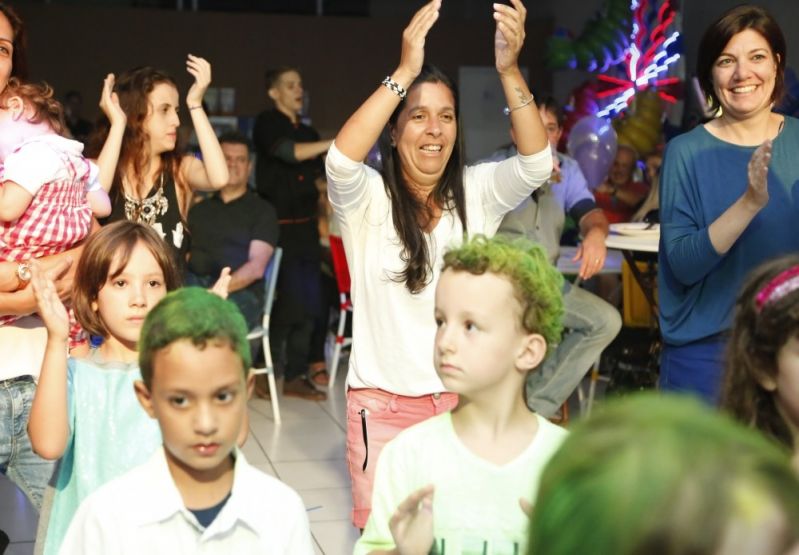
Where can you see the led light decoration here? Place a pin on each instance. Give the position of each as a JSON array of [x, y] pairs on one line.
[[653, 50]]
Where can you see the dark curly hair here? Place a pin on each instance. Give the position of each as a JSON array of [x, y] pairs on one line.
[[757, 337], [409, 213]]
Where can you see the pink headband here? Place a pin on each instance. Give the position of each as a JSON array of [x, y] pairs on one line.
[[782, 284]]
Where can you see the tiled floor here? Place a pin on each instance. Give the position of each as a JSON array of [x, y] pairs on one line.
[[306, 452]]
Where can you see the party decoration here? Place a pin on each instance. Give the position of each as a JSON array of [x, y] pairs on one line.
[[652, 52], [641, 126], [601, 44], [592, 142]]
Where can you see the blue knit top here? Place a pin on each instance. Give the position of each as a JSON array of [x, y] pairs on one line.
[[701, 177]]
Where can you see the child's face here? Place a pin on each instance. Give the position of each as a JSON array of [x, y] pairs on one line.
[[787, 381], [124, 300], [161, 123], [199, 396], [479, 341]]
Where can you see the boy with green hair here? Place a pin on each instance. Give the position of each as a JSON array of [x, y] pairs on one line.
[[461, 482], [664, 474], [198, 494]]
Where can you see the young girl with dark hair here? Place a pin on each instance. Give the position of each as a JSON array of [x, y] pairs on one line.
[[761, 386], [84, 411], [395, 227], [150, 181]]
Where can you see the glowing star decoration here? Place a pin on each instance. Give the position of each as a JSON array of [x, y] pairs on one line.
[[652, 52]]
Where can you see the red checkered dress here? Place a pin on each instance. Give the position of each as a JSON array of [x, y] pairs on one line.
[[54, 171]]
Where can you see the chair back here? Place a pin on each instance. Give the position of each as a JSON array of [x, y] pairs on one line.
[[340, 267], [270, 279]]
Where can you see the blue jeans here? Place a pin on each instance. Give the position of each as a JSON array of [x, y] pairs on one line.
[[590, 324], [696, 368], [17, 459]]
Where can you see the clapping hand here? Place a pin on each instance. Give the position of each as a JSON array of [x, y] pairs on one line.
[[109, 102], [50, 307], [220, 288], [414, 35], [757, 173], [411, 524], [509, 37], [200, 69]]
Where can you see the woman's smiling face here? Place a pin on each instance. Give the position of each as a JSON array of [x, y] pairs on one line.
[[744, 75], [425, 133]]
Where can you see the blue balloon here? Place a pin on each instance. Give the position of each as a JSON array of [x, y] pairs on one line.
[[592, 142]]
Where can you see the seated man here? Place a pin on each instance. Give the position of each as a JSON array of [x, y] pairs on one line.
[[591, 323], [236, 228], [619, 195]]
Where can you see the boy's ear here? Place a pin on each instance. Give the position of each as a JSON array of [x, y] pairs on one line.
[[145, 397], [272, 93], [533, 351]]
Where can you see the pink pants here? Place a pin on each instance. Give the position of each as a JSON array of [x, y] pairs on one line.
[[374, 417]]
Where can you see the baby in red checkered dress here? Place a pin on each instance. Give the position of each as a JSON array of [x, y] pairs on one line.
[[48, 190]]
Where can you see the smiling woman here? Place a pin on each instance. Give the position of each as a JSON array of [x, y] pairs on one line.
[[727, 196], [396, 224]]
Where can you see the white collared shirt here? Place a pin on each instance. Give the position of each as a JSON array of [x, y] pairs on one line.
[[142, 512]]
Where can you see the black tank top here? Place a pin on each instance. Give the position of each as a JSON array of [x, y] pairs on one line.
[[160, 210]]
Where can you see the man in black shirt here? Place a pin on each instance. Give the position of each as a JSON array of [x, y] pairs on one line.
[[234, 228], [288, 169]]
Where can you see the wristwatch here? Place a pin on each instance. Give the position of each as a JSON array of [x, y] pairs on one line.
[[24, 274]]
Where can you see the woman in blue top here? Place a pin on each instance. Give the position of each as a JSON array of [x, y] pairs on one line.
[[728, 196]]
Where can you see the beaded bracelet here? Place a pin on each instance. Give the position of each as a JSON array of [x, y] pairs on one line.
[[524, 103], [394, 87]]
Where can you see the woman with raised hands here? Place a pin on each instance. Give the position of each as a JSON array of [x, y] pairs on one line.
[[397, 223], [152, 181]]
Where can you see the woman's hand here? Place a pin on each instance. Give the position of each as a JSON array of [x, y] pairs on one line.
[[109, 102], [411, 524], [50, 308], [509, 37], [757, 173], [200, 69], [413, 39]]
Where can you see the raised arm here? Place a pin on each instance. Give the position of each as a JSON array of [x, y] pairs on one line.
[[48, 426], [508, 40], [363, 128], [109, 155], [211, 173]]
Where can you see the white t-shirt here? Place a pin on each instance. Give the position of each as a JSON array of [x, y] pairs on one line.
[[142, 512], [475, 504], [22, 346], [393, 330]]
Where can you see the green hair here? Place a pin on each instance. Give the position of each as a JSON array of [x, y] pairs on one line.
[[536, 282], [197, 315], [656, 475]]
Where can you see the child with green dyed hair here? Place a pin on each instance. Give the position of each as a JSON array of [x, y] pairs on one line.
[[198, 493], [460, 482], [656, 474]]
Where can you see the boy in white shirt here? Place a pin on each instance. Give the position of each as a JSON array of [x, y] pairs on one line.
[[198, 494], [462, 482]]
